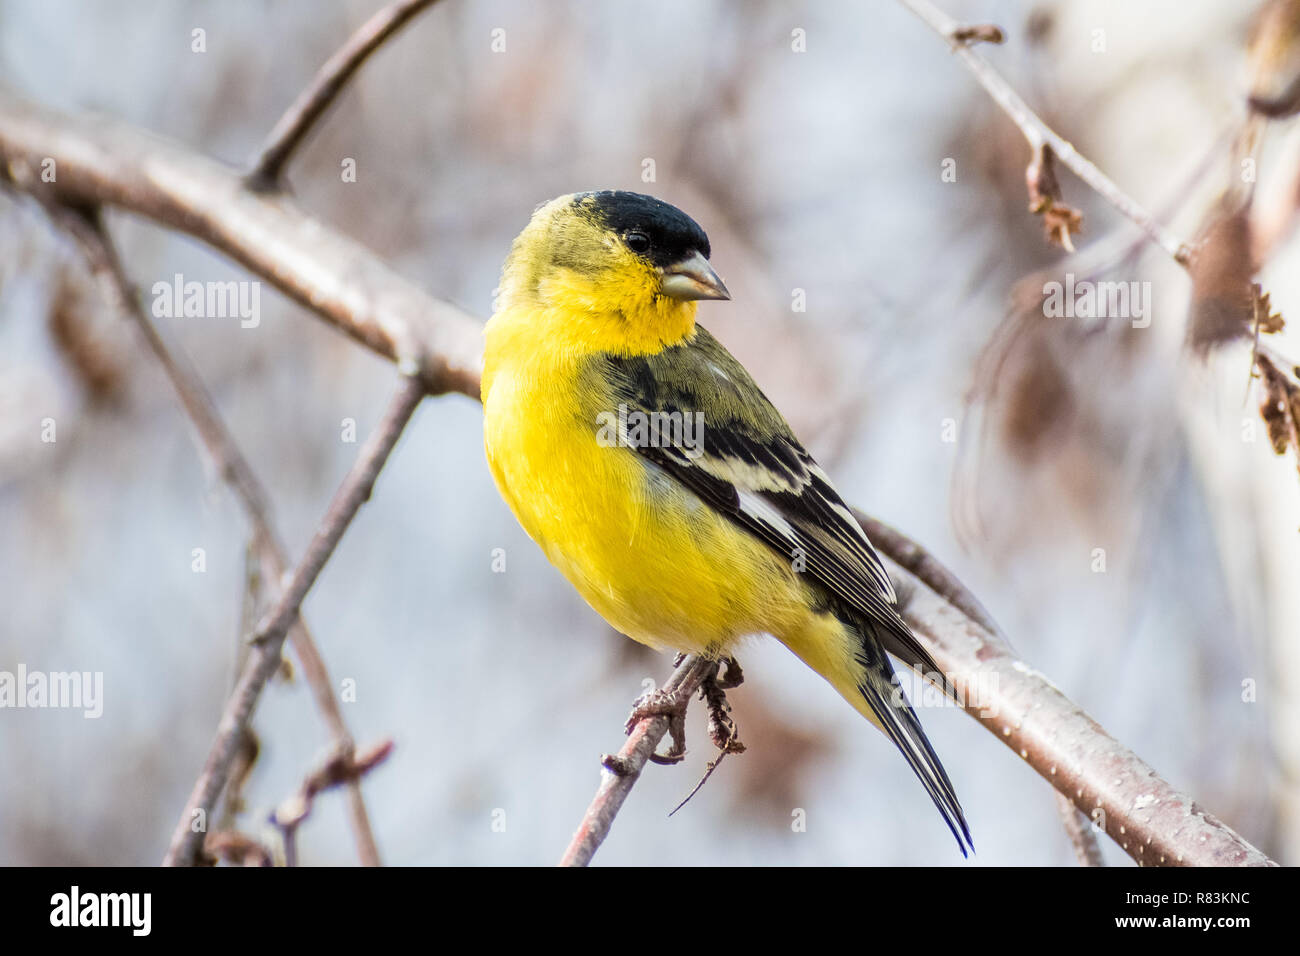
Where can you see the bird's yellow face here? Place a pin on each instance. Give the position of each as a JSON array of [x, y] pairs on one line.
[[609, 271]]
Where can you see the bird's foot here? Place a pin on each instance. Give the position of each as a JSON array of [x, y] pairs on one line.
[[722, 729], [660, 703], [733, 676]]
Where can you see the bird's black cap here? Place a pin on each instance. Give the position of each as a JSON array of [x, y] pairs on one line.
[[673, 235]]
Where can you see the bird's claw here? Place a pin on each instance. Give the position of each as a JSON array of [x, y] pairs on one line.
[[662, 704], [733, 676]]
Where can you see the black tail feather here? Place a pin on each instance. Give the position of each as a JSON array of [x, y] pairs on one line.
[[885, 697], [902, 727]]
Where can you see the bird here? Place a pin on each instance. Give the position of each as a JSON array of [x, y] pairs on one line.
[[652, 471]]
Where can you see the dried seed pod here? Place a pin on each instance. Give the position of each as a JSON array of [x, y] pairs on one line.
[[1224, 300], [1045, 199]]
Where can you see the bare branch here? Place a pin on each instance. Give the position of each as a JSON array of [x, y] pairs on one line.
[[620, 772], [1038, 134], [910, 555], [270, 634], [229, 463], [100, 161], [1150, 820], [921, 563], [342, 767], [1082, 838], [311, 104]]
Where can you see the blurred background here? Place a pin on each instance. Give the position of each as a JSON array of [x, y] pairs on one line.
[[810, 140]]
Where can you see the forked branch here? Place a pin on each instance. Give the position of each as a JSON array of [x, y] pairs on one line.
[[230, 464], [268, 639]]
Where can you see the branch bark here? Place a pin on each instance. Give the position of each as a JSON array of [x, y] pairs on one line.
[[1151, 821], [102, 162]]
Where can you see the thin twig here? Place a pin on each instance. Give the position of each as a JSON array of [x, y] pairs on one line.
[[269, 637], [1083, 840], [233, 468], [709, 767], [620, 772], [1038, 134], [287, 134], [344, 766]]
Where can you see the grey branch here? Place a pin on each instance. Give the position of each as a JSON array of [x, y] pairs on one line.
[[311, 104], [102, 162], [268, 639], [232, 467], [620, 772], [1037, 133], [1151, 821]]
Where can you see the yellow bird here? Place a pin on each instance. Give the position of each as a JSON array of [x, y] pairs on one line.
[[642, 458]]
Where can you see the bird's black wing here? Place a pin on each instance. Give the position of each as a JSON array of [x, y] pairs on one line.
[[751, 468]]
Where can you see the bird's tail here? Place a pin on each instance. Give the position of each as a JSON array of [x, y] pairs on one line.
[[865, 678]]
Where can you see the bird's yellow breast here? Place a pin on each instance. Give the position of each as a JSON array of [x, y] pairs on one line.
[[647, 554]]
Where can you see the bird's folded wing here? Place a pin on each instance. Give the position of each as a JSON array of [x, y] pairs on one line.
[[745, 462]]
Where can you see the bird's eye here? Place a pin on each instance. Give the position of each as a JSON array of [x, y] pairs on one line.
[[638, 242]]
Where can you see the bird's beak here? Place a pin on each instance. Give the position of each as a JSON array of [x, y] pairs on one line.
[[692, 278]]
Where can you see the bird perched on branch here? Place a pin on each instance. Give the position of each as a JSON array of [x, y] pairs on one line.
[[642, 458]]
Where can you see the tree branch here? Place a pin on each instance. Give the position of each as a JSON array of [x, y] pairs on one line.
[[268, 639], [926, 568], [1038, 134], [343, 767], [229, 463], [1082, 839], [287, 134], [1151, 821], [102, 162], [620, 772]]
